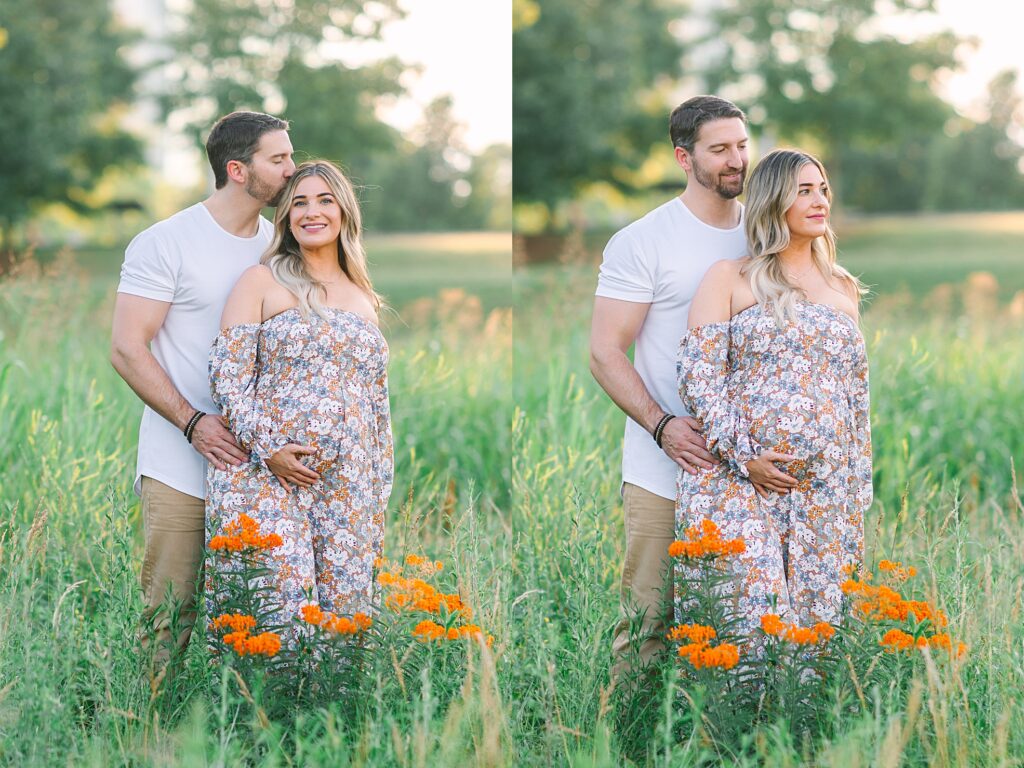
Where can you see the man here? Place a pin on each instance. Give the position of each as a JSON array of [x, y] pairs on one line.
[[649, 275], [175, 280]]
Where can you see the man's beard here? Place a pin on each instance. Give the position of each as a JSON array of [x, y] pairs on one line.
[[265, 193], [714, 183]]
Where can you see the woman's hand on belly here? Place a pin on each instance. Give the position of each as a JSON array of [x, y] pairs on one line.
[[289, 469], [765, 476]]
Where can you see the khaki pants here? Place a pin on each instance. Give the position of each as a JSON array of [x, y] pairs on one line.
[[645, 612], [174, 528]]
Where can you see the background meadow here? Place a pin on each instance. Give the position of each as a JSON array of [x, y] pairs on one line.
[[71, 691], [943, 328]]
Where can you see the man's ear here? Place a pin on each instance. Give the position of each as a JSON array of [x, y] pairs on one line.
[[237, 171], [683, 159]]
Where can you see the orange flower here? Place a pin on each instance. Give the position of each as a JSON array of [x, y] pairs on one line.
[[824, 629], [312, 614], [244, 644], [428, 630], [771, 624], [243, 533], [701, 655], [897, 640], [704, 540], [695, 633], [238, 622]]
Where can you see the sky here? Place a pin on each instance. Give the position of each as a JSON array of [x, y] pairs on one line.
[[465, 49], [996, 25]]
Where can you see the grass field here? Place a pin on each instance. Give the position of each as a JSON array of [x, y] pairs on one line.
[[70, 538], [507, 469], [947, 369]]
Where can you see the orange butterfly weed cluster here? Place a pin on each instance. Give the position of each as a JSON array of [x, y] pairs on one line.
[[698, 650], [880, 602], [339, 625], [704, 540], [896, 640], [773, 625], [896, 571], [414, 594], [240, 638], [241, 534], [428, 631]]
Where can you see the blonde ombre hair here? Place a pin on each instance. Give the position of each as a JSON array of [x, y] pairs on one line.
[[284, 257], [771, 191]]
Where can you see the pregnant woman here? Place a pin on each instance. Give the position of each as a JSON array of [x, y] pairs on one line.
[[774, 367], [299, 373]]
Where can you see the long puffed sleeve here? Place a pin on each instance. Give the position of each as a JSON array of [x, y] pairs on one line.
[[702, 374], [860, 407], [384, 459], [234, 373]]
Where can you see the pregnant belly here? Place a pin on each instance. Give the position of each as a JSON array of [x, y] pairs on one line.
[[815, 432], [321, 426]]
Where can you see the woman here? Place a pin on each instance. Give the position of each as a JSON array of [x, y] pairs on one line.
[[299, 373], [774, 367]]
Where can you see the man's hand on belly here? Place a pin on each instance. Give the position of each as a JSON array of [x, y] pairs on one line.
[[216, 444], [684, 444]]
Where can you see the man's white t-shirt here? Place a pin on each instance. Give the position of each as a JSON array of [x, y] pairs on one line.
[[191, 262], [660, 260]]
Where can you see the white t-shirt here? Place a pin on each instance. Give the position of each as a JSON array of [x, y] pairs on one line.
[[660, 260], [191, 262]]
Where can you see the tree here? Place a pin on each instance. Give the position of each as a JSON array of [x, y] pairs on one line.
[[583, 73], [63, 88], [819, 75], [262, 55], [331, 110]]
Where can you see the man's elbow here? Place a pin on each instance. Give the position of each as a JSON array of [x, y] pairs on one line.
[[598, 361], [120, 355]]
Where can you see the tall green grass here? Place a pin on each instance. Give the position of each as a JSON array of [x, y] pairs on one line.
[[73, 688], [946, 403]]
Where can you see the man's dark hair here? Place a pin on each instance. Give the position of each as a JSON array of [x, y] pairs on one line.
[[236, 137], [688, 117]]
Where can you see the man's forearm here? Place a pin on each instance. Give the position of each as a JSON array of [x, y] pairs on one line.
[[150, 382], [617, 376]]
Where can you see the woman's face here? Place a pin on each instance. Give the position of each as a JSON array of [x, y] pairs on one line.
[[808, 216], [315, 215]]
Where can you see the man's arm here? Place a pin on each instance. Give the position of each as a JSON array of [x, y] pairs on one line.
[[613, 330], [136, 322]]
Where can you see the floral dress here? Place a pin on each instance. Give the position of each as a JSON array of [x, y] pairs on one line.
[[321, 384], [802, 390]]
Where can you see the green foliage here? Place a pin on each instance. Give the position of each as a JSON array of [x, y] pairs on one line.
[[284, 61], [227, 56], [63, 87], [581, 73]]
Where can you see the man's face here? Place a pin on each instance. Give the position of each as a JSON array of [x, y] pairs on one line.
[[270, 168], [719, 158]]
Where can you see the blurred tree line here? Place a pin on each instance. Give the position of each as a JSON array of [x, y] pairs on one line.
[[68, 79], [819, 74]]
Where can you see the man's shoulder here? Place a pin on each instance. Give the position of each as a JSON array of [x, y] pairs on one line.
[[173, 226], [654, 220]]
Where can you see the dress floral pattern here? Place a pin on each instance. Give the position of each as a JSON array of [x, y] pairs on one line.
[[322, 384], [803, 390]]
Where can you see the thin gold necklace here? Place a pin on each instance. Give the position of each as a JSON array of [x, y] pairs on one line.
[[795, 278]]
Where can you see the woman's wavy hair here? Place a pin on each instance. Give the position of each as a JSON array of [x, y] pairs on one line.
[[284, 258], [771, 191]]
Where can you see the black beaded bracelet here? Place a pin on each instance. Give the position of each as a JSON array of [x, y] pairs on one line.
[[659, 430], [191, 426]]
